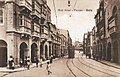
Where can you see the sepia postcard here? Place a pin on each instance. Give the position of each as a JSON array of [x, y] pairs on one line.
[[59, 38]]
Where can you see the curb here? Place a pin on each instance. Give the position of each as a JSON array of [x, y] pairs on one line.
[[12, 71], [109, 65]]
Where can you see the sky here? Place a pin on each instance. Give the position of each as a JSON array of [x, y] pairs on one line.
[[78, 18]]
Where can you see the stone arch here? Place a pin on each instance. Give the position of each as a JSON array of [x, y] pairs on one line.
[[3, 53], [109, 52], [34, 49], [115, 51], [23, 49]]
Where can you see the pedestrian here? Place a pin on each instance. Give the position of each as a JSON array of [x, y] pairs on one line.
[[25, 62], [10, 62], [21, 63], [97, 57], [51, 59], [28, 63], [86, 55], [13, 64], [36, 61], [48, 68], [41, 62]]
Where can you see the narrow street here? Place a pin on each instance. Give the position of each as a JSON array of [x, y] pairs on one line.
[[77, 67], [70, 38]]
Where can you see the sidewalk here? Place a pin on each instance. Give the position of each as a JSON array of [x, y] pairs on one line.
[[108, 63], [111, 64], [4, 70]]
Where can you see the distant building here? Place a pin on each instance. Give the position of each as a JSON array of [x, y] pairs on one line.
[[85, 43], [78, 46], [94, 47], [63, 44], [68, 40]]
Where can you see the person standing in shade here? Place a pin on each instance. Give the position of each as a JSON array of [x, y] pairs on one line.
[[25, 62], [28, 63], [51, 59], [36, 61], [48, 68], [10, 62], [41, 62], [13, 64]]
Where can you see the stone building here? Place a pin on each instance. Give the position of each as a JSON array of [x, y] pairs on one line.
[[45, 20], [78, 45], [89, 43], [63, 43], [94, 47], [101, 33], [112, 15], [85, 43], [21, 29], [68, 42], [15, 28], [26, 30], [108, 30]]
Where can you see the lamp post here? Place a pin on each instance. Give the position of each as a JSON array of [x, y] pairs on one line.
[[69, 3]]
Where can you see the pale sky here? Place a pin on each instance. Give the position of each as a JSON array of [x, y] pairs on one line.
[[77, 22]]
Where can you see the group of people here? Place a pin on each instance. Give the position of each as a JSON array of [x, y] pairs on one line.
[[23, 63], [26, 63]]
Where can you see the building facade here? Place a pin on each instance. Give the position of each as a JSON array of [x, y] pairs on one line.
[[101, 33], [68, 41], [113, 29], [85, 43], [26, 31], [94, 47], [107, 31]]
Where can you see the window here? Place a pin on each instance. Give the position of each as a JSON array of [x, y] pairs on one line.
[[1, 16], [21, 22]]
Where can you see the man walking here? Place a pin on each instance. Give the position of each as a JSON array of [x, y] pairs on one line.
[[48, 68]]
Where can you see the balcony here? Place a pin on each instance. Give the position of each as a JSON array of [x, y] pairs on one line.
[[36, 9], [44, 36], [112, 25], [25, 30], [35, 34], [36, 13], [26, 3], [43, 15], [112, 29]]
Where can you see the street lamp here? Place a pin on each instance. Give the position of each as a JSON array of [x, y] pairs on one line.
[[69, 3]]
